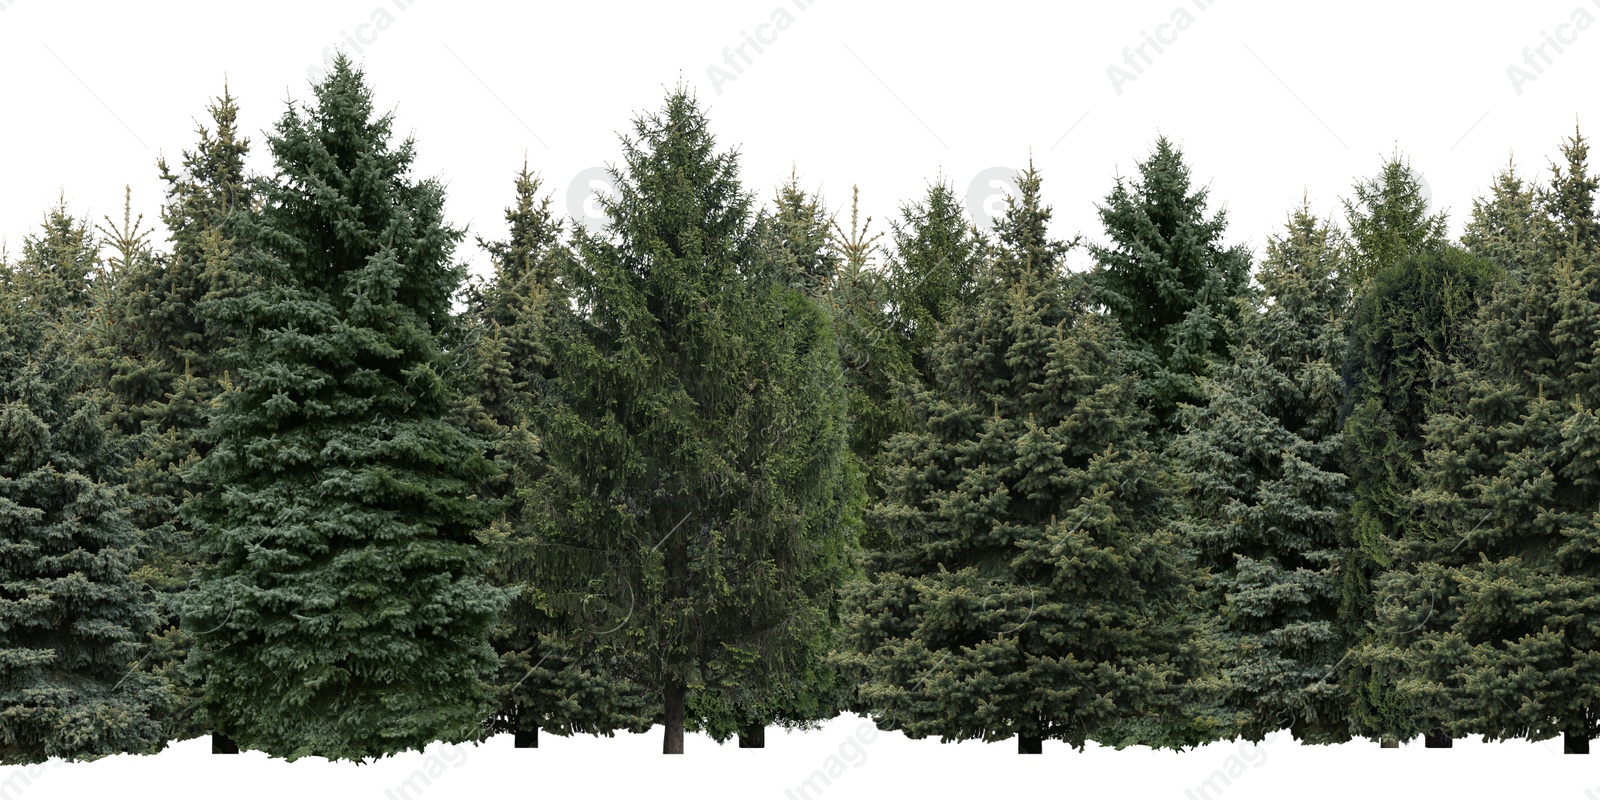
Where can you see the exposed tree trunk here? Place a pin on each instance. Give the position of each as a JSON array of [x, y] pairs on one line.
[[525, 737], [672, 736], [222, 745], [1029, 745], [753, 736], [1389, 743], [1436, 739], [1575, 744]]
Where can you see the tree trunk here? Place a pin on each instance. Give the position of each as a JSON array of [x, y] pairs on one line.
[[1029, 745], [1436, 739], [528, 737], [672, 736], [1389, 743], [222, 745], [1575, 744], [753, 736]]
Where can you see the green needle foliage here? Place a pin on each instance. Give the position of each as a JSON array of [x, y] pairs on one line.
[[1388, 220], [1168, 281], [546, 680], [342, 609], [695, 528], [72, 614], [1411, 328], [1036, 591], [1266, 490]]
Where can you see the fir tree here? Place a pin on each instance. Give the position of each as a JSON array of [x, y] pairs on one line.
[[1036, 591], [1168, 280], [1500, 580], [72, 615], [1267, 494], [341, 610], [695, 437], [1410, 329], [1389, 220]]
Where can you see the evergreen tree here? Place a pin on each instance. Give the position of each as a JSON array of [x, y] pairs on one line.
[[1167, 280], [72, 616], [1505, 560], [695, 523], [341, 610], [545, 679], [1267, 494], [1568, 202], [1410, 329], [1507, 227], [159, 359], [1036, 591], [1389, 220], [937, 255]]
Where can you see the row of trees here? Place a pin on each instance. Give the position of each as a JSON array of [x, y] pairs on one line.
[[295, 482]]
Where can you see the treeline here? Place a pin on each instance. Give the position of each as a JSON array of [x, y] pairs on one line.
[[293, 481]]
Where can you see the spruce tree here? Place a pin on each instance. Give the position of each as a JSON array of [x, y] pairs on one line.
[[1568, 203], [936, 257], [1266, 492], [545, 681], [1036, 591], [1504, 560], [696, 437], [341, 609], [1507, 227], [1388, 220], [1168, 280], [72, 614], [1410, 330], [160, 360]]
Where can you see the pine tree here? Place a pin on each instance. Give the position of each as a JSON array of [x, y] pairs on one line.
[[694, 522], [1036, 591], [1168, 280], [72, 616], [1499, 582], [1266, 491], [1389, 220], [1410, 330], [341, 610], [545, 680]]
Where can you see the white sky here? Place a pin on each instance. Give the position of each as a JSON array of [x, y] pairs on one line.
[[1267, 100]]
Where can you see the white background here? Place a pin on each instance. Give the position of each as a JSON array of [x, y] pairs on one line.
[[1268, 101]]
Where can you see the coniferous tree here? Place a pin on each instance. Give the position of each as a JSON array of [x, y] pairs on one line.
[[1168, 280], [1499, 581], [937, 255], [341, 610], [72, 615], [1035, 590], [1568, 203], [160, 361], [696, 437], [1409, 331], [1266, 490], [545, 681], [1507, 227], [1389, 221]]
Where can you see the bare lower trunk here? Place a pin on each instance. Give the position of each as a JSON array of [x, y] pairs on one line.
[[753, 736], [1436, 740], [222, 745], [672, 736], [1029, 745], [1389, 743], [1575, 744], [528, 737]]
